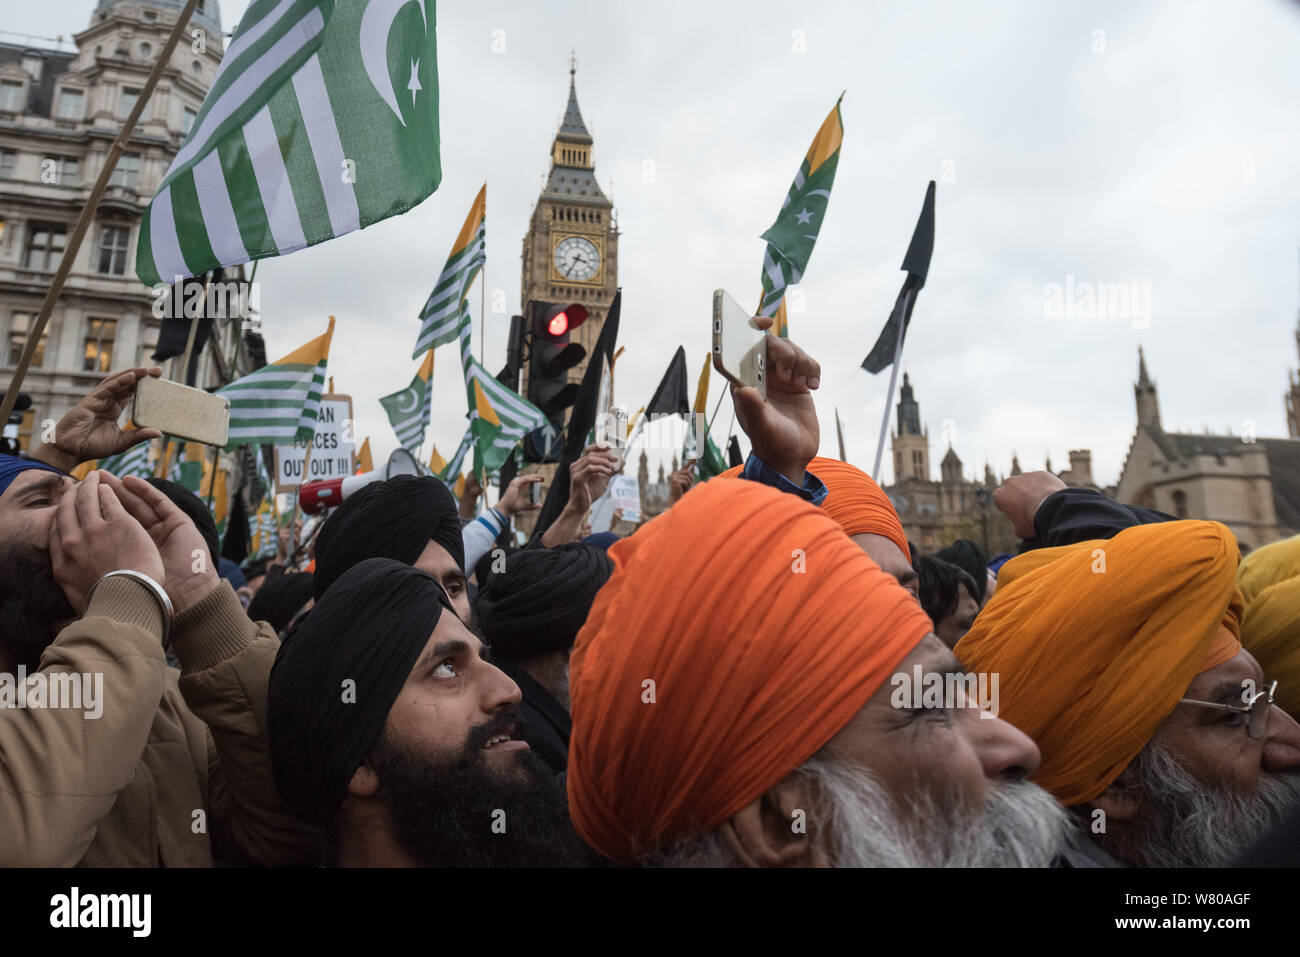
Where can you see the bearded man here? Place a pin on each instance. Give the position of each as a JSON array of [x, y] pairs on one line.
[[735, 699], [1121, 659], [390, 729]]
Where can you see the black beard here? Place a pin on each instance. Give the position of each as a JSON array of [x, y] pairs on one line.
[[32, 605], [444, 813]]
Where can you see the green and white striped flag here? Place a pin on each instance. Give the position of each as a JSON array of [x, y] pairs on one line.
[[134, 461], [440, 318], [499, 417], [408, 410], [322, 119], [452, 470], [278, 403], [187, 467], [790, 240]]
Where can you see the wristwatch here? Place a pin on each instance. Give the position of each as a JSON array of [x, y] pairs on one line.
[[159, 595]]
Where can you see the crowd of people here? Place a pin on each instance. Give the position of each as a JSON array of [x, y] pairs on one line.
[[766, 674]]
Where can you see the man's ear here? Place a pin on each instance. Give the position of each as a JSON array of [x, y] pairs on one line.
[[771, 831], [1117, 803], [364, 783]]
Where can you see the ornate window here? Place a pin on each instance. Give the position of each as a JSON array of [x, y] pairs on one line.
[[20, 324], [98, 355], [112, 250], [45, 245]]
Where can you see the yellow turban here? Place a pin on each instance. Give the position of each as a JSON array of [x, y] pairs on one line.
[[1269, 579], [1094, 643]]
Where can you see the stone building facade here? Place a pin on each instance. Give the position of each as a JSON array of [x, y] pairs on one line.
[[1248, 483], [60, 110]]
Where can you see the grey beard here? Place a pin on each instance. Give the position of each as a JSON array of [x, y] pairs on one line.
[[1184, 823], [857, 823], [1020, 825]]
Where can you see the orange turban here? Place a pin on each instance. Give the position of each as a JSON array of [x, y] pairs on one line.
[[1269, 579], [741, 631], [1094, 643], [854, 500]]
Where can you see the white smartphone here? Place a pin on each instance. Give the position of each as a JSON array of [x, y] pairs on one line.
[[179, 410], [739, 347]]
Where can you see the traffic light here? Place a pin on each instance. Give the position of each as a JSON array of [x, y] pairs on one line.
[[551, 356]]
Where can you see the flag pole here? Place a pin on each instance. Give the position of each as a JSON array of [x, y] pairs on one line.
[[115, 151], [185, 364], [839, 432], [893, 380], [297, 497]]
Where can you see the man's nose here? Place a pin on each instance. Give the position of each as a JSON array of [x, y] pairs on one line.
[[1004, 750], [1281, 742]]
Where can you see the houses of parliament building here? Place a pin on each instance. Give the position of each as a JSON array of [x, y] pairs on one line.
[[1250, 484]]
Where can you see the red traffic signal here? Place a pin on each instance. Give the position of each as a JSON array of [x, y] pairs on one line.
[[559, 320]]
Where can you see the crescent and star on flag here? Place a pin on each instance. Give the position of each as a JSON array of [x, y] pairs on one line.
[[408, 393], [376, 25]]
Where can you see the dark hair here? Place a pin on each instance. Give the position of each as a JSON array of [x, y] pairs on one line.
[[256, 568], [280, 599], [195, 510], [937, 583]]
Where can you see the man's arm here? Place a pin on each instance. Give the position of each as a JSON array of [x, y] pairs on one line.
[[783, 429], [226, 664], [812, 490], [1080, 515], [588, 479], [478, 537], [89, 429], [1045, 513], [61, 769]]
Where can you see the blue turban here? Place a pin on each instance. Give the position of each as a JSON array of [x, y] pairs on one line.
[[11, 467]]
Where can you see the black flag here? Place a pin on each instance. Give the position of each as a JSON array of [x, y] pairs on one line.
[[583, 417], [175, 331], [671, 398], [917, 264], [236, 543]]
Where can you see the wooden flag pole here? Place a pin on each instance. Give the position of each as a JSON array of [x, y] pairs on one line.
[[893, 380], [88, 213], [839, 432]]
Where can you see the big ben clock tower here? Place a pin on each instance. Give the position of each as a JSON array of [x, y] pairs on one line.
[[571, 250]]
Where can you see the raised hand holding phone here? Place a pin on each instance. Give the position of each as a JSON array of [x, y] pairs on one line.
[[779, 418]]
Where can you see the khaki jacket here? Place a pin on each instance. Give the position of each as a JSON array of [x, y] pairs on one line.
[[175, 770]]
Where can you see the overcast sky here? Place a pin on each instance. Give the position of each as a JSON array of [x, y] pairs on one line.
[[1151, 143]]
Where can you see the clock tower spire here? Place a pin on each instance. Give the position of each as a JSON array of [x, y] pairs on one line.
[[570, 253]]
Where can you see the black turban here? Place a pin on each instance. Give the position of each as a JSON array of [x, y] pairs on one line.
[[541, 600], [393, 519], [280, 598], [969, 557], [195, 509], [369, 630]]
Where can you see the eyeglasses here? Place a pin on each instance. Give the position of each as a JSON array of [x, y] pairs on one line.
[[1256, 709]]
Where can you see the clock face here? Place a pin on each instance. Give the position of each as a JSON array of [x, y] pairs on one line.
[[577, 258]]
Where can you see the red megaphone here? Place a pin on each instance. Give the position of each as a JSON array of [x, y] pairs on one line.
[[315, 497]]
